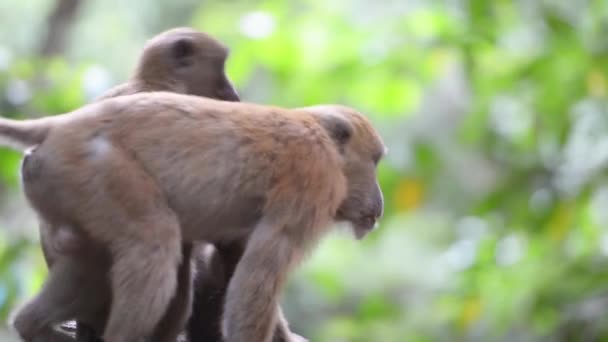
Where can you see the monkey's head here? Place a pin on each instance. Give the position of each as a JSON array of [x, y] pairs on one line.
[[186, 61], [362, 148]]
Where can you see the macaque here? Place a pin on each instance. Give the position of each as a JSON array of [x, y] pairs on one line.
[[178, 60], [142, 174]]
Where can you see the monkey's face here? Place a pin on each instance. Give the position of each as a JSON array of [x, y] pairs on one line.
[[192, 62], [361, 148], [207, 78], [203, 80], [199, 64], [364, 203]]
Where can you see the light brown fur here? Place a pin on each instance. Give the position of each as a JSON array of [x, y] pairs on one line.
[[180, 60], [141, 184]]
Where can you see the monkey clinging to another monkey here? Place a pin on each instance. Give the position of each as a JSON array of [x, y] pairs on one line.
[[141, 174], [179, 60]]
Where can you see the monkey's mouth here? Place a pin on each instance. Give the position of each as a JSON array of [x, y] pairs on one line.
[[363, 226]]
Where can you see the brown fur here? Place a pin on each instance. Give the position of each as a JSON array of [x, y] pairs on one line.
[[141, 184], [180, 60], [214, 267]]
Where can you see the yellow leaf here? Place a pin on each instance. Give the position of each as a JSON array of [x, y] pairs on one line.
[[596, 83], [409, 194], [470, 312], [560, 221]]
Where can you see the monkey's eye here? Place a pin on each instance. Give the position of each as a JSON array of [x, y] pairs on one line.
[[183, 48], [183, 52]]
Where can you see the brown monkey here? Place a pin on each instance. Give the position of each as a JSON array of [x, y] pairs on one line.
[[200, 169], [180, 60], [187, 61]]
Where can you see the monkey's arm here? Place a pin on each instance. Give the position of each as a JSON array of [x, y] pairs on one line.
[[215, 268], [259, 276], [282, 332]]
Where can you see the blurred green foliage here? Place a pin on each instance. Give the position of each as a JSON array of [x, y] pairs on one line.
[[496, 118]]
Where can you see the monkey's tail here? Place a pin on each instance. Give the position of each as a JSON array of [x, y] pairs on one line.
[[23, 134]]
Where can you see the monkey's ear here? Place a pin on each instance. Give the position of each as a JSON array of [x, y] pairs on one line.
[[182, 51], [338, 127]]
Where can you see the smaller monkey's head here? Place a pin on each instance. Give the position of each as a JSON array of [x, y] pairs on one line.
[[362, 148], [186, 61]]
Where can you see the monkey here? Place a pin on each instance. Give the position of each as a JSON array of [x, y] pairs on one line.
[[200, 169], [196, 69], [179, 70], [180, 60]]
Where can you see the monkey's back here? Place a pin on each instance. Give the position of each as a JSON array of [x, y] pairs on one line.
[[218, 163]]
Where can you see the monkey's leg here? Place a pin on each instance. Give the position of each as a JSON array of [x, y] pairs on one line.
[[143, 277], [214, 268], [119, 206], [55, 303], [250, 311], [174, 319], [180, 308], [83, 332]]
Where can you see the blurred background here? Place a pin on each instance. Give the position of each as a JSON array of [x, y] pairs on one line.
[[496, 118]]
